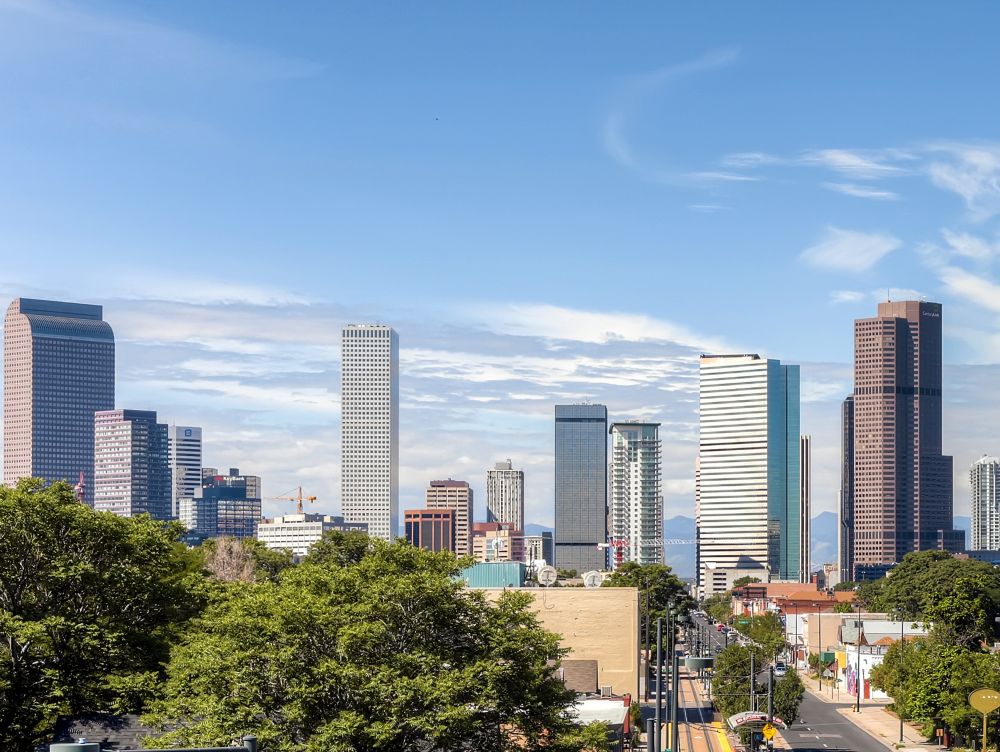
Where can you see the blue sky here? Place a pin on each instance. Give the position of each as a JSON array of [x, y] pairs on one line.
[[550, 202]]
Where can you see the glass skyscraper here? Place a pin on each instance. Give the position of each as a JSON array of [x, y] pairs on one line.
[[749, 505], [581, 486], [131, 471], [59, 369]]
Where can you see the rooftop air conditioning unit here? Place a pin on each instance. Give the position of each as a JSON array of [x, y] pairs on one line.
[[606, 691]]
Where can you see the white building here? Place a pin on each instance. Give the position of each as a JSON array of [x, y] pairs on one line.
[[636, 519], [505, 494], [748, 481], [298, 532], [369, 394], [184, 446], [985, 480]]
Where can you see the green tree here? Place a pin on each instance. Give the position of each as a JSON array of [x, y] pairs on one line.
[[719, 607], [846, 585], [747, 580], [958, 595], [731, 684], [765, 630], [657, 584], [843, 608], [88, 605], [367, 647]]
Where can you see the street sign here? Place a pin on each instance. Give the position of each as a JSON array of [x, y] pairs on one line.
[[769, 731], [985, 700], [744, 622]]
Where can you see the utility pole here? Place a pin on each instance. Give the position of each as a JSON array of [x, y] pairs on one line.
[[674, 726], [753, 681], [770, 698], [649, 652], [659, 682]]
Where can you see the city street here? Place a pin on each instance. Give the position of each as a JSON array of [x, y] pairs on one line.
[[820, 728]]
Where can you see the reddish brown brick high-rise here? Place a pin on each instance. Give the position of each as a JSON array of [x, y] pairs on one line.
[[902, 482]]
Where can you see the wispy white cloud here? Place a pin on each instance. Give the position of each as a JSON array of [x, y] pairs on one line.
[[630, 100], [972, 287], [861, 191], [972, 171], [970, 246], [858, 164], [707, 208], [749, 159], [847, 296], [554, 322], [848, 250], [725, 177], [75, 30]]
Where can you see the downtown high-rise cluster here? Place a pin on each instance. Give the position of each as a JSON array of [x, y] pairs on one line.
[[752, 474], [61, 424]]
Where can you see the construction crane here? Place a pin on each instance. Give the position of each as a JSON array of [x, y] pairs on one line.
[[298, 498]]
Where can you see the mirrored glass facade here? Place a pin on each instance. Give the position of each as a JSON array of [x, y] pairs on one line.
[[581, 486]]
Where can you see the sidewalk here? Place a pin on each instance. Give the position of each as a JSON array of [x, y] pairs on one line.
[[874, 719]]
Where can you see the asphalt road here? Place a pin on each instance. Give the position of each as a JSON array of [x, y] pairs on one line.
[[820, 728]]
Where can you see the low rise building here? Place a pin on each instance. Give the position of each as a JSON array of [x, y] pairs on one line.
[[298, 532], [497, 541]]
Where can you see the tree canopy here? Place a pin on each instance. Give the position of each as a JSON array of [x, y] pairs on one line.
[[959, 596], [367, 647], [657, 581], [731, 683], [88, 605]]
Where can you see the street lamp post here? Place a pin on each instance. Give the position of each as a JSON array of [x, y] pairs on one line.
[[659, 682], [857, 706], [901, 647], [819, 655]]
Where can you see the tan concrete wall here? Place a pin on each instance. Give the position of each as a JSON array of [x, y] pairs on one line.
[[600, 624]]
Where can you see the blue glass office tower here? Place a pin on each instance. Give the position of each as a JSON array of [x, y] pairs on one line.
[[784, 504], [581, 487]]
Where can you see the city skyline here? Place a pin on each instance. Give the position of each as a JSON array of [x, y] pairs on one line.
[[829, 198]]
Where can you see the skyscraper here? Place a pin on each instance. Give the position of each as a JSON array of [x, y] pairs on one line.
[[433, 529], [984, 478], [845, 538], [805, 508], [59, 369], [235, 499], [902, 481], [185, 464], [636, 519], [456, 495], [369, 400], [581, 486], [131, 472], [505, 495], [749, 507]]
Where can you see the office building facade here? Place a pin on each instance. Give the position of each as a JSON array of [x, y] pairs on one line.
[[59, 369], [497, 541], [505, 494], [236, 500], [581, 486], [131, 471], [298, 532], [433, 529], [805, 508], [902, 482], [984, 479], [184, 445], [845, 537], [539, 548], [456, 495], [748, 485], [369, 393], [635, 531]]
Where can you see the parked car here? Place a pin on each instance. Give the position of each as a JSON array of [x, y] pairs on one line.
[[780, 669]]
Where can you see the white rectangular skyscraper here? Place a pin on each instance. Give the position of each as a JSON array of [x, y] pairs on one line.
[[635, 532], [984, 477], [749, 514], [369, 403], [185, 464], [505, 495], [131, 473]]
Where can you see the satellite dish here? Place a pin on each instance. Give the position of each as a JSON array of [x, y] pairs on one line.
[[592, 578], [547, 576]]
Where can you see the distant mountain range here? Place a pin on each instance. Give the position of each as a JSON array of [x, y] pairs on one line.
[[681, 556]]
